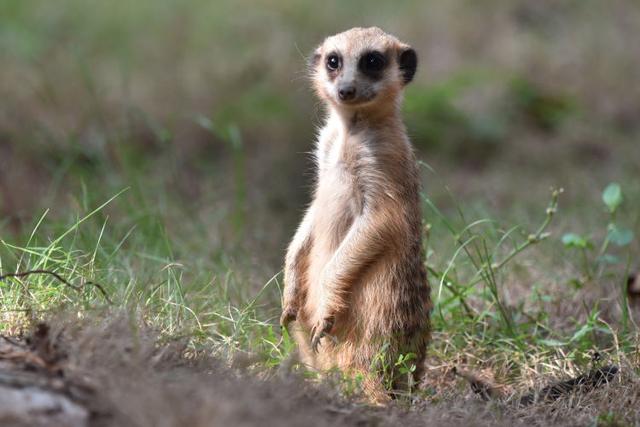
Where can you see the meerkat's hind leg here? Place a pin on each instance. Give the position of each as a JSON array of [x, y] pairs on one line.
[[374, 390]]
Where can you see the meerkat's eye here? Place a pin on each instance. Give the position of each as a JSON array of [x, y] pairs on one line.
[[372, 64], [333, 62]]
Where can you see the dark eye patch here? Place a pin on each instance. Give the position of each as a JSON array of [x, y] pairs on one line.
[[372, 64]]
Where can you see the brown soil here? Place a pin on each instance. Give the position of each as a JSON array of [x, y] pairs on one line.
[[114, 373]]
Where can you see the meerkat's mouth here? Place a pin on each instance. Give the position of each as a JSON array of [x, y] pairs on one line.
[[357, 101]]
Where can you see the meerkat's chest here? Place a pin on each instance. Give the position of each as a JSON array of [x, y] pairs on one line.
[[339, 170], [341, 157], [339, 197]]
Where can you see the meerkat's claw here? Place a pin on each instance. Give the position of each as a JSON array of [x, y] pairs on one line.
[[315, 339], [288, 315], [320, 331]]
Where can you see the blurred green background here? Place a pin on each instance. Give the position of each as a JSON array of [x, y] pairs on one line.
[[202, 110]]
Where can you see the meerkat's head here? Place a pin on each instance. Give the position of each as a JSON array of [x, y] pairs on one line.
[[362, 67]]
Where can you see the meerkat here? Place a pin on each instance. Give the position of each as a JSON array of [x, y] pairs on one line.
[[355, 282]]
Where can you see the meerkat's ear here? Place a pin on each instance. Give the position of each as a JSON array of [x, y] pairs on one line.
[[408, 62]]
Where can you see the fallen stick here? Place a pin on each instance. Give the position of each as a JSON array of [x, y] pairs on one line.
[[59, 278]]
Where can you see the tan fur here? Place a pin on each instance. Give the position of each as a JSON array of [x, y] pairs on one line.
[[354, 274]]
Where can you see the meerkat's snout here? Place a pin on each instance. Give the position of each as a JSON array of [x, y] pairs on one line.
[[346, 92]]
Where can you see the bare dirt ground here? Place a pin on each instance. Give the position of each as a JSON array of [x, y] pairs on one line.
[[114, 373]]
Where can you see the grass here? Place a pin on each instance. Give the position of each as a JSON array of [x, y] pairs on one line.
[[156, 148], [497, 309], [208, 301]]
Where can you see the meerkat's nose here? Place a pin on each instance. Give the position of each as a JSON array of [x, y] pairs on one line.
[[347, 93]]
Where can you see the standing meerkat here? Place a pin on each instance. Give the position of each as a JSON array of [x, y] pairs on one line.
[[355, 282]]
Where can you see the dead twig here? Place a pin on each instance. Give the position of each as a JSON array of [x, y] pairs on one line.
[[586, 382], [10, 340], [59, 278], [480, 386]]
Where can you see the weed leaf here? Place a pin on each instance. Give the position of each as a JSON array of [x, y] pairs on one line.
[[573, 240], [620, 236], [609, 259], [552, 343], [612, 196]]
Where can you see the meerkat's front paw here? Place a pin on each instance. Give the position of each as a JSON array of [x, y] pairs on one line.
[[289, 314], [320, 330]]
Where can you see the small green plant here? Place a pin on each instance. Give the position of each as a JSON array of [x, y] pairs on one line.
[[596, 257], [488, 249], [405, 368], [396, 373], [351, 385]]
